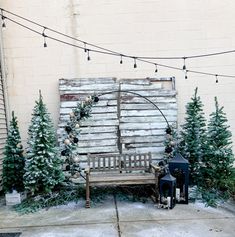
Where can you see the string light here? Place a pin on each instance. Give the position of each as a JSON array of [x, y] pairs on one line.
[[186, 74], [88, 55], [216, 78], [135, 65], [121, 60], [3, 19], [113, 53], [184, 66], [44, 36], [156, 69]]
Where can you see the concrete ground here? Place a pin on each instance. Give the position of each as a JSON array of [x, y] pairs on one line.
[[121, 219]]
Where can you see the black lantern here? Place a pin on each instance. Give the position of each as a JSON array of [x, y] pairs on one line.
[[179, 167], [167, 191]]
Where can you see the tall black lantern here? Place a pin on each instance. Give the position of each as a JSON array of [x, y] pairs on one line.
[[179, 168], [167, 190]]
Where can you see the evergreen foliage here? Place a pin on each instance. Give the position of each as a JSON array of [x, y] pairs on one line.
[[72, 131], [13, 161], [43, 169], [218, 159], [193, 136]]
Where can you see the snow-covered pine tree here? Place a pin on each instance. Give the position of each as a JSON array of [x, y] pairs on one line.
[[43, 169], [193, 136], [219, 158], [13, 161]]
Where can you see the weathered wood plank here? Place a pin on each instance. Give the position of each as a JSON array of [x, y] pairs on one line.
[[93, 123], [91, 87], [136, 88], [147, 144], [138, 100], [143, 140], [144, 149], [141, 126], [73, 104], [98, 149], [92, 130], [65, 117], [87, 81], [162, 93], [146, 113], [108, 135], [92, 143], [79, 96], [130, 133], [113, 122], [136, 81], [149, 119], [97, 110], [165, 106]]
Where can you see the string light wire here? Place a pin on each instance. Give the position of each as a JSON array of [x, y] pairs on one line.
[[124, 55], [113, 53]]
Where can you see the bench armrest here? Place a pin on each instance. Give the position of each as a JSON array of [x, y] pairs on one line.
[[156, 167], [87, 170]]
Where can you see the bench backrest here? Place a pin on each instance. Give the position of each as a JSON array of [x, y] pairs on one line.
[[125, 162]]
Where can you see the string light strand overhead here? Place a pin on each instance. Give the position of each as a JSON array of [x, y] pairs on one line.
[[110, 52]]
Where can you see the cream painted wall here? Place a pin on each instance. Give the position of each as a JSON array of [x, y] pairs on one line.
[[137, 27]]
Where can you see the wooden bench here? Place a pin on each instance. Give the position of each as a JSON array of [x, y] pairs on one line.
[[113, 170]]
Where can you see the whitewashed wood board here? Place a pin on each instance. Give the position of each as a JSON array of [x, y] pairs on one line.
[[142, 144], [73, 104], [130, 133], [137, 126], [65, 117], [143, 139], [87, 81], [146, 113], [135, 88], [149, 119], [144, 150], [161, 93], [98, 149], [94, 143], [98, 110], [148, 106]]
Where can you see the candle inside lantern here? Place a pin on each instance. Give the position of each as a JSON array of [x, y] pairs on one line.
[[177, 193], [168, 202]]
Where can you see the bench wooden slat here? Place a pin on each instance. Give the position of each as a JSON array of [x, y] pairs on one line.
[[120, 170]]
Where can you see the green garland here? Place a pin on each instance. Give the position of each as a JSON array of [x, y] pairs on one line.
[[70, 142]]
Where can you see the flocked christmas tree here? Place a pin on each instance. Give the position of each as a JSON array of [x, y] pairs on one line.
[[218, 160], [13, 162], [43, 164], [193, 136]]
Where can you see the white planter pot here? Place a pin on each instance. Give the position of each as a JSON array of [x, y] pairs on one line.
[[14, 198]]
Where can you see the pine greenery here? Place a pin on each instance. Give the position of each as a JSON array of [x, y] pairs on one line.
[[193, 136], [13, 161], [43, 169], [218, 160]]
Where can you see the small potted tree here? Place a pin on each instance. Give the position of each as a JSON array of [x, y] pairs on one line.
[[13, 165]]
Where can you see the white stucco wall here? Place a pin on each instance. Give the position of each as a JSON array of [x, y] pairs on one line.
[[137, 27]]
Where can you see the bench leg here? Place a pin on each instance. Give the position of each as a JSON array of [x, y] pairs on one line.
[[88, 204]]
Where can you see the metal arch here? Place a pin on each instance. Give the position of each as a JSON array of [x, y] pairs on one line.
[[134, 93]]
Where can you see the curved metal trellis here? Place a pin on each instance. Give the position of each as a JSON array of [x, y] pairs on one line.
[[134, 93]]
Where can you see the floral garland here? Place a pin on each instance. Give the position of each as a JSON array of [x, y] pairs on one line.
[[72, 128]]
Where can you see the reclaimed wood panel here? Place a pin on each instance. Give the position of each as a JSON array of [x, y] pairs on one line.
[[120, 122], [99, 133], [142, 126]]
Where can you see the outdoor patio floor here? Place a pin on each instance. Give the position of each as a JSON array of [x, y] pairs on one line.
[[121, 218]]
